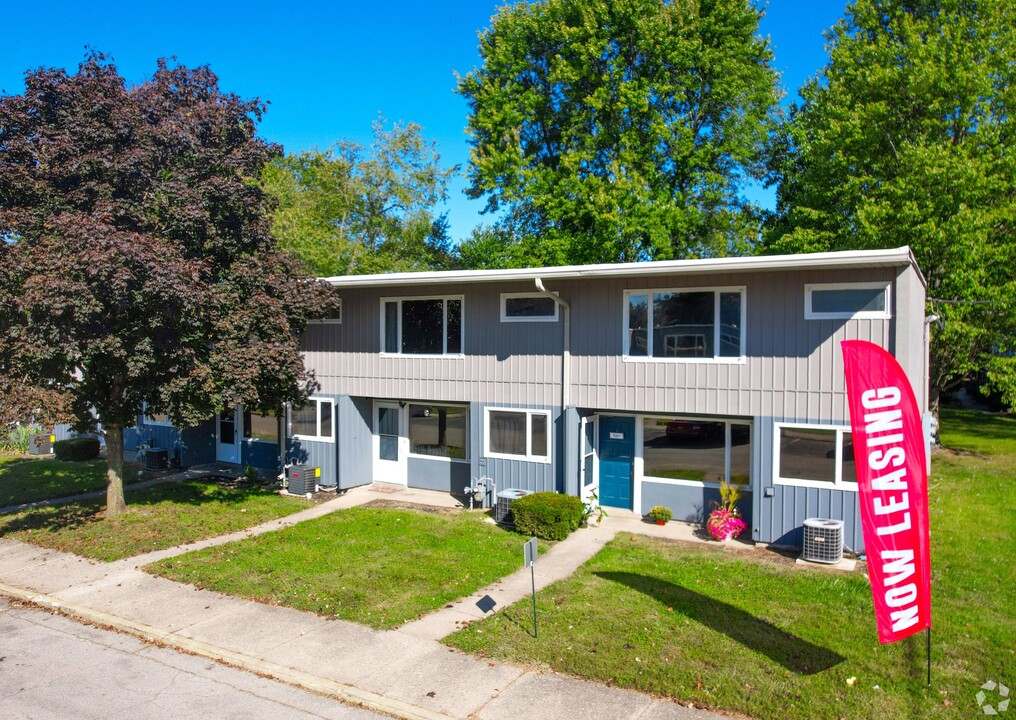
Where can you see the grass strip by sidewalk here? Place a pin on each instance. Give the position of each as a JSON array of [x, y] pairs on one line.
[[750, 633], [157, 517], [377, 566], [25, 480]]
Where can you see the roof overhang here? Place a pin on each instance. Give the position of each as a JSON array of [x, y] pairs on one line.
[[897, 257]]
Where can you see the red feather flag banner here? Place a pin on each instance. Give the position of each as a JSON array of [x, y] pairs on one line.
[[892, 478]]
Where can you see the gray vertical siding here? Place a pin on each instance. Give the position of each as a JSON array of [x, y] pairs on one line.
[[782, 514], [443, 475], [324, 455], [533, 476], [691, 504], [353, 433]]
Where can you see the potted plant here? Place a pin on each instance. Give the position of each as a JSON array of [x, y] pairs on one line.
[[660, 514], [725, 521]]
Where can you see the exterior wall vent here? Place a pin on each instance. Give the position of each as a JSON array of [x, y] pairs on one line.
[[823, 541], [503, 508]]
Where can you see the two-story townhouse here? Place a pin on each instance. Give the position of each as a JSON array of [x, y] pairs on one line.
[[642, 383]]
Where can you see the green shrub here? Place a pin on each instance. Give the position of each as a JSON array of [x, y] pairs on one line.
[[81, 448], [547, 515]]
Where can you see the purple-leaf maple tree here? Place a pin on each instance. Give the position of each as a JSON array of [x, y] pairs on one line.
[[136, 258]]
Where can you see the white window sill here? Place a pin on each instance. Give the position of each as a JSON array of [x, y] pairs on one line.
[[520, 458], [438, 458], [457, 356], [311, 438], [691, 361], [820, 484]]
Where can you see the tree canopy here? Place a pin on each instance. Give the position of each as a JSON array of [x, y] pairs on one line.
[[137, 263], [619, 130], [905, 138], [351, 209]]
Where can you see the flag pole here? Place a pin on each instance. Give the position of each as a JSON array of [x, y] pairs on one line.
[[929, 655]]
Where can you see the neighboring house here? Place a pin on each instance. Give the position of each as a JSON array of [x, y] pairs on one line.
[[642, 383]]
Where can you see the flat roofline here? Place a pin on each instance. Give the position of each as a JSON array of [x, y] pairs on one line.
[[896, 257]]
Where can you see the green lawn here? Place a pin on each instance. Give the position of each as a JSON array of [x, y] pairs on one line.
[[755, 634], [24, 480], [377, 566], [157, 517]]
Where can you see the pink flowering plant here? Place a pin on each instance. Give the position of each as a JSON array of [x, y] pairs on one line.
[[725, 520]]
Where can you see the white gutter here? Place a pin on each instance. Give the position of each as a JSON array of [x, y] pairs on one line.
[[897, 257], [565, 342]]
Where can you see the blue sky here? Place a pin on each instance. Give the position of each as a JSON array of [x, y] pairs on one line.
[[329, 69]]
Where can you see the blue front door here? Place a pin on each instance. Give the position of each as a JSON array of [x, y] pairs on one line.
[[617, 452]]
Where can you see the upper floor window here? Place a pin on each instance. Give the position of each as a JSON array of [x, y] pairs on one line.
[[333, 318], [846, 301], [421, 326], [684, 324], [520, 307]]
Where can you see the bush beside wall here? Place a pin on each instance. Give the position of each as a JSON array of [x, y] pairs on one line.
[[82, 448], [547, 515]]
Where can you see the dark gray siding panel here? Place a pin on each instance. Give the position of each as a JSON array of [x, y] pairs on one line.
[[534, 476], [781, 515], [197, 444], [451, 477], [690, 503], [354, 430]]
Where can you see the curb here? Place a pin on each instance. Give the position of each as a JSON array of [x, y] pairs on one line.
[[322, 686]]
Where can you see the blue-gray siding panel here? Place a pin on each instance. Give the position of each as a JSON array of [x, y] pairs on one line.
[[354, 430], [690, 503], [534, 476], [451, 477], [259, 454], [782, 514]]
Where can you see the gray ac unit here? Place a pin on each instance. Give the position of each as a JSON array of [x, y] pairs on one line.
[[302, 479], [823, 541], [156, 458], [503, 508], [40, 443]]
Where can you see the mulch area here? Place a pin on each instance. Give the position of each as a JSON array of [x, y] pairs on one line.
[[399, 505]]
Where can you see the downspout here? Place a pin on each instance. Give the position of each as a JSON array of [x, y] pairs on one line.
[[565, 342]]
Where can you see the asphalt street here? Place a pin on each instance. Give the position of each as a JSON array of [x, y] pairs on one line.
[[52, 667]]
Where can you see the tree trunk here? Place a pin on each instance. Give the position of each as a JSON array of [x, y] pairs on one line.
[[115, 504]]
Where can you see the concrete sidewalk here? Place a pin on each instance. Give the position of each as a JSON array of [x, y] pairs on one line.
[[404, 672]]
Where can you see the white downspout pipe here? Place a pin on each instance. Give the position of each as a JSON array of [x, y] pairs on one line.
[[565, 342]]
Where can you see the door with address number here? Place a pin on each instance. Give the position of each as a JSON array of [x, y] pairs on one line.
[[617, 456]]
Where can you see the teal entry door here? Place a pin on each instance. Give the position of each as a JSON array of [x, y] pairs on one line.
[[617, 455]]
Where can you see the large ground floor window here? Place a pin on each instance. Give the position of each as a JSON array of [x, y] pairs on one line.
[[696, 450], [814, 456], [439, 430]]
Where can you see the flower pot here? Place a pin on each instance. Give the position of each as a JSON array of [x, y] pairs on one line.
[[661, 522]]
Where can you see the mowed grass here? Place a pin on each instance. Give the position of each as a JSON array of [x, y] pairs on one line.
[[380, 567], [752, 633], [157, 517], [25, 480]]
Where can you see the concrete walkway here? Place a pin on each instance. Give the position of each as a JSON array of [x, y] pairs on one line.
[[404, 672]]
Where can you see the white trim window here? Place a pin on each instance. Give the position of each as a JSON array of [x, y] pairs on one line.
[[695, 451], [427, 326], [817, 456], [160, 419], [438, 431], [527, 307], [517, 434], [688, 325], [260, 428], [847, 301], [313, 421], [334, 319]]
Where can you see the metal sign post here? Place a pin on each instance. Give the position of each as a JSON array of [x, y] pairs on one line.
[[529, 553]]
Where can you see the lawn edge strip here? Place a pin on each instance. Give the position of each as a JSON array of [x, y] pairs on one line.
[[348, 694]]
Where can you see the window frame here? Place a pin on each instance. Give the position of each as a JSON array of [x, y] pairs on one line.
[[742, 290], [313, 438], [529, 456], [243, 427], [330, 320], [438, 458], [728, 449], [506, 318], [837, 483], [886, 314], [444, 326], [146, 420]]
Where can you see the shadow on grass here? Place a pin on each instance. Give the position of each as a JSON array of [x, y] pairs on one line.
[[73, 515], [793, 653]]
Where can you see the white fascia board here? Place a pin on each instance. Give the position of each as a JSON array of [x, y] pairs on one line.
[[897, 257]]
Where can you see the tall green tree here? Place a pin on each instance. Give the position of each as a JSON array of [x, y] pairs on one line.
[[620, 130], [353, 209], [136, 261], [905, 138]]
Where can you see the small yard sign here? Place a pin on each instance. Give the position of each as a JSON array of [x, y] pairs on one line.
[[529, 553]]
